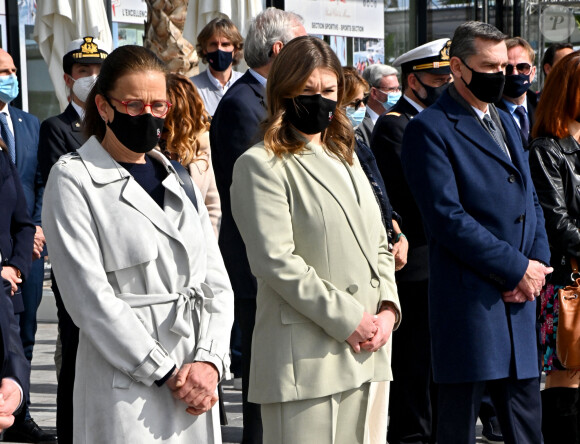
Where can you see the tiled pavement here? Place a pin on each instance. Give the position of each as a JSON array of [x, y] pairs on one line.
[[43, 388], [43, 381]]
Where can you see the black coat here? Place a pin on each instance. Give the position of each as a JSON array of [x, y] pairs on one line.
[[386, 145], [234, 129], [555, 168], [59, 135]]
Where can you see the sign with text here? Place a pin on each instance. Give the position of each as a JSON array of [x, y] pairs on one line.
[[129, 11], [349, 18]]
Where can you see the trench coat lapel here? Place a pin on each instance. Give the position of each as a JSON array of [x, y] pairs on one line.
[[104, 170], [352, 206]]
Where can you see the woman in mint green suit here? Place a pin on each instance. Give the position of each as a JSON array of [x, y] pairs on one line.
[[327, 301]]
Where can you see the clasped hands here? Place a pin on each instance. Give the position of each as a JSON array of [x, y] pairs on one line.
[[531, 284], [195, 384], [373, 331]]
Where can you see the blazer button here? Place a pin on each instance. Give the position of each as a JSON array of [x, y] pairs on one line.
[[374, 282], [352, 289], [511, 178], [522, 218]]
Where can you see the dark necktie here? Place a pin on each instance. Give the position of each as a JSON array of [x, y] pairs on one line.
[[7, 137], [524, 123], [495, 133]]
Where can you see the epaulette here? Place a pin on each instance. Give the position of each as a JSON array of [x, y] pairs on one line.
[[393, 113], [68, 156]]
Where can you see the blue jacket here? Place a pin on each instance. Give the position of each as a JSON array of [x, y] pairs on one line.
[[483, 223], [26, 130], [13, 363]]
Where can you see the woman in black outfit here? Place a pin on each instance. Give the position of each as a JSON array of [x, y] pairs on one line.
[[555, 168]]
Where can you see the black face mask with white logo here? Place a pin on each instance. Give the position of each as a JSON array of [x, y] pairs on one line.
[[485, 86], [310, 114], [516, 85], [140, 133]]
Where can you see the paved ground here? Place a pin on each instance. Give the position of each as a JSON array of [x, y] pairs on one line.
[[43, 388], [43, 380]]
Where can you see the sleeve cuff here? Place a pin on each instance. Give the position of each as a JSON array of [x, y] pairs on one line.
[[209, 351], [154, 368]]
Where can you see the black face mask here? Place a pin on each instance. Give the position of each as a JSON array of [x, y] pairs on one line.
[[140, 134], [487, 87], [433, 92], [516, 85], [219, 60], [310, 114]]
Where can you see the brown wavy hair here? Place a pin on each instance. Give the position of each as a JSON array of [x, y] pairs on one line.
[[221, 26], [560, 99], [352, 82], [286, 79], [186, 121]]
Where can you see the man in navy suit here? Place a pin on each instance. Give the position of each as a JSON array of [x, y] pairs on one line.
[[19, 130], [14, 367], [518, 100], [234, 129], [60, 135], [488, 250]]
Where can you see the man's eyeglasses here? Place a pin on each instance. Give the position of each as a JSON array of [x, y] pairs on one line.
[[394, 89], [523, 68], [159, 108]]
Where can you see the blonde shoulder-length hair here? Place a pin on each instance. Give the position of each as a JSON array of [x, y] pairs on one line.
[[286, 80], [186, 121]]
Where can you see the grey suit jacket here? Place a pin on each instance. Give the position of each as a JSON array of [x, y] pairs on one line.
[[365, 130]]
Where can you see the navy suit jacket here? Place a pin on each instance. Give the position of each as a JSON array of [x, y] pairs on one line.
[[235, 127], [16, 228], [532, 104], [483, 223], [13, 363], [59, 135], [26, 133]]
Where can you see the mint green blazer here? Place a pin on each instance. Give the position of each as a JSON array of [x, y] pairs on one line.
[[320, 255]]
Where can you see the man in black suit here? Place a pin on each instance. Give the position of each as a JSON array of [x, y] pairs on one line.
[[517, 98], [60, 135], [425, 74], [234, 129]]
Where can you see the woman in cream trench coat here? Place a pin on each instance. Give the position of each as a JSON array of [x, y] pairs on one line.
[[148, 289], [318, 248]]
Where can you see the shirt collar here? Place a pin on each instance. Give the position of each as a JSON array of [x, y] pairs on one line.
[[258, 77], [413, 103], [79, 109], [512, 106], [215, 82], [480, 113], [374, 116]]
